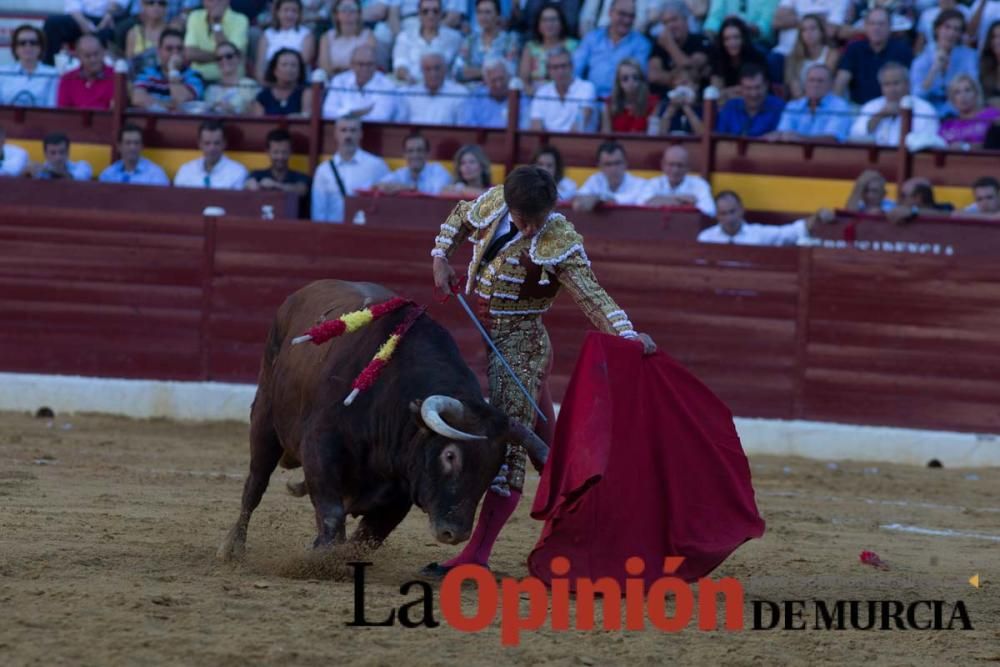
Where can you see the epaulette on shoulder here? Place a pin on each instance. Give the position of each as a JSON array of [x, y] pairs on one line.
[[556, 241], [487, 208]]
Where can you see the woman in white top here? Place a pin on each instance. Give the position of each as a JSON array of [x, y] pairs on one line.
[[812, 47], [550, 159], [348, 33], [27, 82], [233, 93], [286, 32]]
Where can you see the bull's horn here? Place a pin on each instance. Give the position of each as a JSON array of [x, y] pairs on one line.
[[435, 408], [536, 448]]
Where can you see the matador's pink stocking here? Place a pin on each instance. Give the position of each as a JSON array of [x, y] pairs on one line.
[[492, 517]]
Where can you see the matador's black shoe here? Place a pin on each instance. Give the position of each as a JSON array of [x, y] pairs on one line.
[[435, 570]]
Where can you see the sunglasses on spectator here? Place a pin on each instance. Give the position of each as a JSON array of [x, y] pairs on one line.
[[226, 56], [161, 3], [28, 42], [430, 10]]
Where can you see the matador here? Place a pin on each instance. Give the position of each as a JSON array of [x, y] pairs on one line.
[[523, 253]]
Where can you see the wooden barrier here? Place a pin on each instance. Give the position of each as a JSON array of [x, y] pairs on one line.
[[79, 195], [944, 235], [798, 333]]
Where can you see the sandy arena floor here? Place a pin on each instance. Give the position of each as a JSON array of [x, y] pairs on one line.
[[108, 531]]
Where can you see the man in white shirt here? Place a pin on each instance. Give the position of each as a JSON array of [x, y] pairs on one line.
[[214, 170], [362, 91], [13, 159], [986, 192], [418, 175], [565, 104], [677, 187], [612, 183], [436, 101], [81, 17], [357, 170], [879, 119], [415, 41], [732, 228]]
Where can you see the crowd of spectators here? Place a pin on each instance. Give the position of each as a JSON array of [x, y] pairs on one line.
[[839, 70]]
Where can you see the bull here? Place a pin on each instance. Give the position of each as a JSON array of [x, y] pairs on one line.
[[422, 435]]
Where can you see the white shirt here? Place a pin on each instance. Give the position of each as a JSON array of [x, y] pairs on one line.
[[567, 188], [628, 192], [561, 114], [693, 185], [925, 121], [410, 46], [13, 160], [91, 7], [754, 234], [225, 175], [925, 26], [380, 93], [432, 180], [38, 89], [360, 172], [285, 39], [442, 108], [833, 11]]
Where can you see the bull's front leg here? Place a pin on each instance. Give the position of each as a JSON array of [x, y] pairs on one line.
[[321, 464], [376, 525]]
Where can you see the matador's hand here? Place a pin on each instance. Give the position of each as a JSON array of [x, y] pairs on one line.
[[648, 346], [444, 275]]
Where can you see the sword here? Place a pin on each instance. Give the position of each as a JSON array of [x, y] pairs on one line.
[[493, 347]]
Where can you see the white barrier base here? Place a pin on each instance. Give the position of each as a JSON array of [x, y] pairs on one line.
[[220, 401]]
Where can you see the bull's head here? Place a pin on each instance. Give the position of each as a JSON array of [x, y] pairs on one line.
[[465, 445]]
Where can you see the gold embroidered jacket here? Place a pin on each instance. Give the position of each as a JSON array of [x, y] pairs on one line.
[[525, 276]]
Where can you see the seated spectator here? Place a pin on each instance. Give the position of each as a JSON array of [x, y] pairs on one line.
[[879, 119], [472, 172], [208, 28], [57, 163], [600, 50], [550, 159], [676, 48], [525, 17], [868, 194], [438, 100], [414, 42], [813, 46], [818, 115], [989, 66], [453, 13], [286, 92], [418, 175], [827, 21], [678, 187], [757, 15], [857, 77], [732, 51], [986, 191], [985, 13], [487, 105], [630, 105], [597, 14], [968, 126], [27, 82], [233, 93], [347, 35], [278, 176], [92, 85], [81, 17], [13, 159], [680, 112], [286, 32], [756, 112], [566, 104], [143, 39], [943, 61], [733, 228], [488, 42], [925, 25], [550, 34], [916, 199], [132, 168], [168, 84], [363, 91], [612, 183], [213, 170], [349, 170]]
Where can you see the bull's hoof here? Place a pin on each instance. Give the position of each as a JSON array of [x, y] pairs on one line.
[[435, 570], [233, 547]]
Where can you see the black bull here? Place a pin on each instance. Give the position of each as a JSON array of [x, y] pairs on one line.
[[421, 435]]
